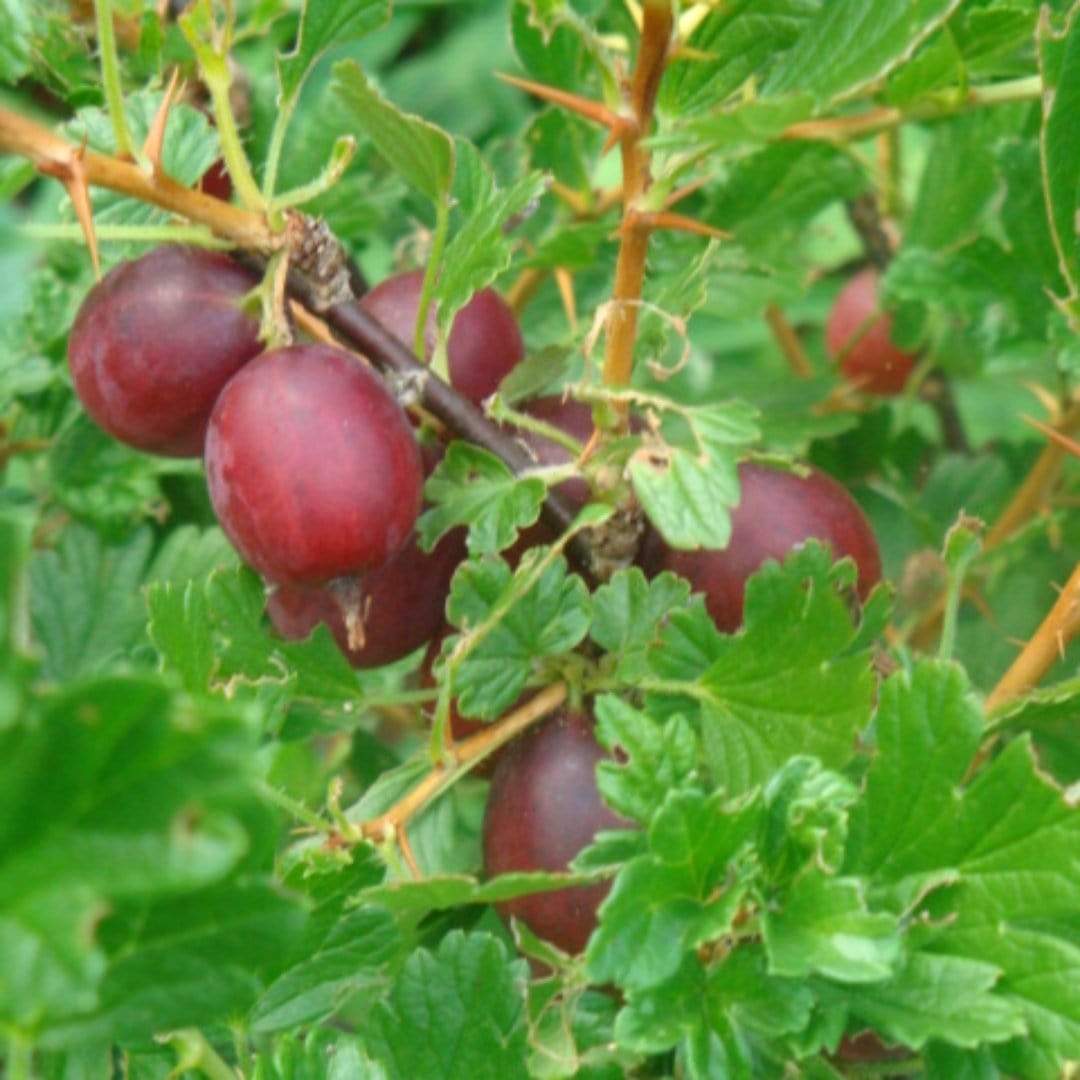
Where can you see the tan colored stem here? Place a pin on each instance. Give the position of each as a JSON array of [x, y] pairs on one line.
[[657, 24], [55, 155], [1037, 485], [872, 121], [789, 342], [466, 753], [1046, 646]]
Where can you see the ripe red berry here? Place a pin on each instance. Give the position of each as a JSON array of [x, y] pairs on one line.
[[544, 808], [216, 181], [858, 335], [313, 469], [156, 340], [403, 603], [777, 512], [484, 343]]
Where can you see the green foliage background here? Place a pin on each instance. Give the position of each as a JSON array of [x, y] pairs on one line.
[[810, 857]]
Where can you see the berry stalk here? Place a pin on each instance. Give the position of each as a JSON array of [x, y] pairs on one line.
[[466, 754]]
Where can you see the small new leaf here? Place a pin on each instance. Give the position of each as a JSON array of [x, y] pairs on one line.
[[688, 488], [547, 618], [655, 758], [471, 486], [627, 616]]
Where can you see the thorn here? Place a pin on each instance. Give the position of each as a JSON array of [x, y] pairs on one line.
[[565, 282], [71, 174], [586, 107], [590, 446], [665, 219], [1053, 434], [611, 141], [688, 52], [155, 137], [407, 853], [574, 199], [685, 191], [1048, 401], [633, 9]]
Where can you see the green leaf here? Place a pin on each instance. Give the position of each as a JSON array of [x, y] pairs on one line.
[[85, 602], [324, 23], [14, 41], [457, 1013], [755, 998], [687, 490], [957, 184], [823, 926], [351, 957], [471, 486], [654, 758], [192, 961], [936, 66], [771, 196], [849, 44], [448, 891], [944, 1062], [422, 153], [806, 818], [556, 45], [213, 633], [627, 613], [324, 1054], [682, 894], [548, 619], [995, 865], [190, 553], [1059, 61], [480, 249], [564, 145], [928, 727], [939, 997], [740, 38], [111, 790], [788, 684], [741, 126], [1023, 211]]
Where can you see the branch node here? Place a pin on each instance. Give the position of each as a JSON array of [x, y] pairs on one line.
[[318, 254]]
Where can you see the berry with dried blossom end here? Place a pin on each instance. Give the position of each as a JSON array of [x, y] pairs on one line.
[[313, 469]]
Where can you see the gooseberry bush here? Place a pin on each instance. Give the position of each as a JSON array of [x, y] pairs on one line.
[[539, 539]]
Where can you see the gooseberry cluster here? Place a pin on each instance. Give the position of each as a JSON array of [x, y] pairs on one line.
[[314, 470], [316, 475]]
